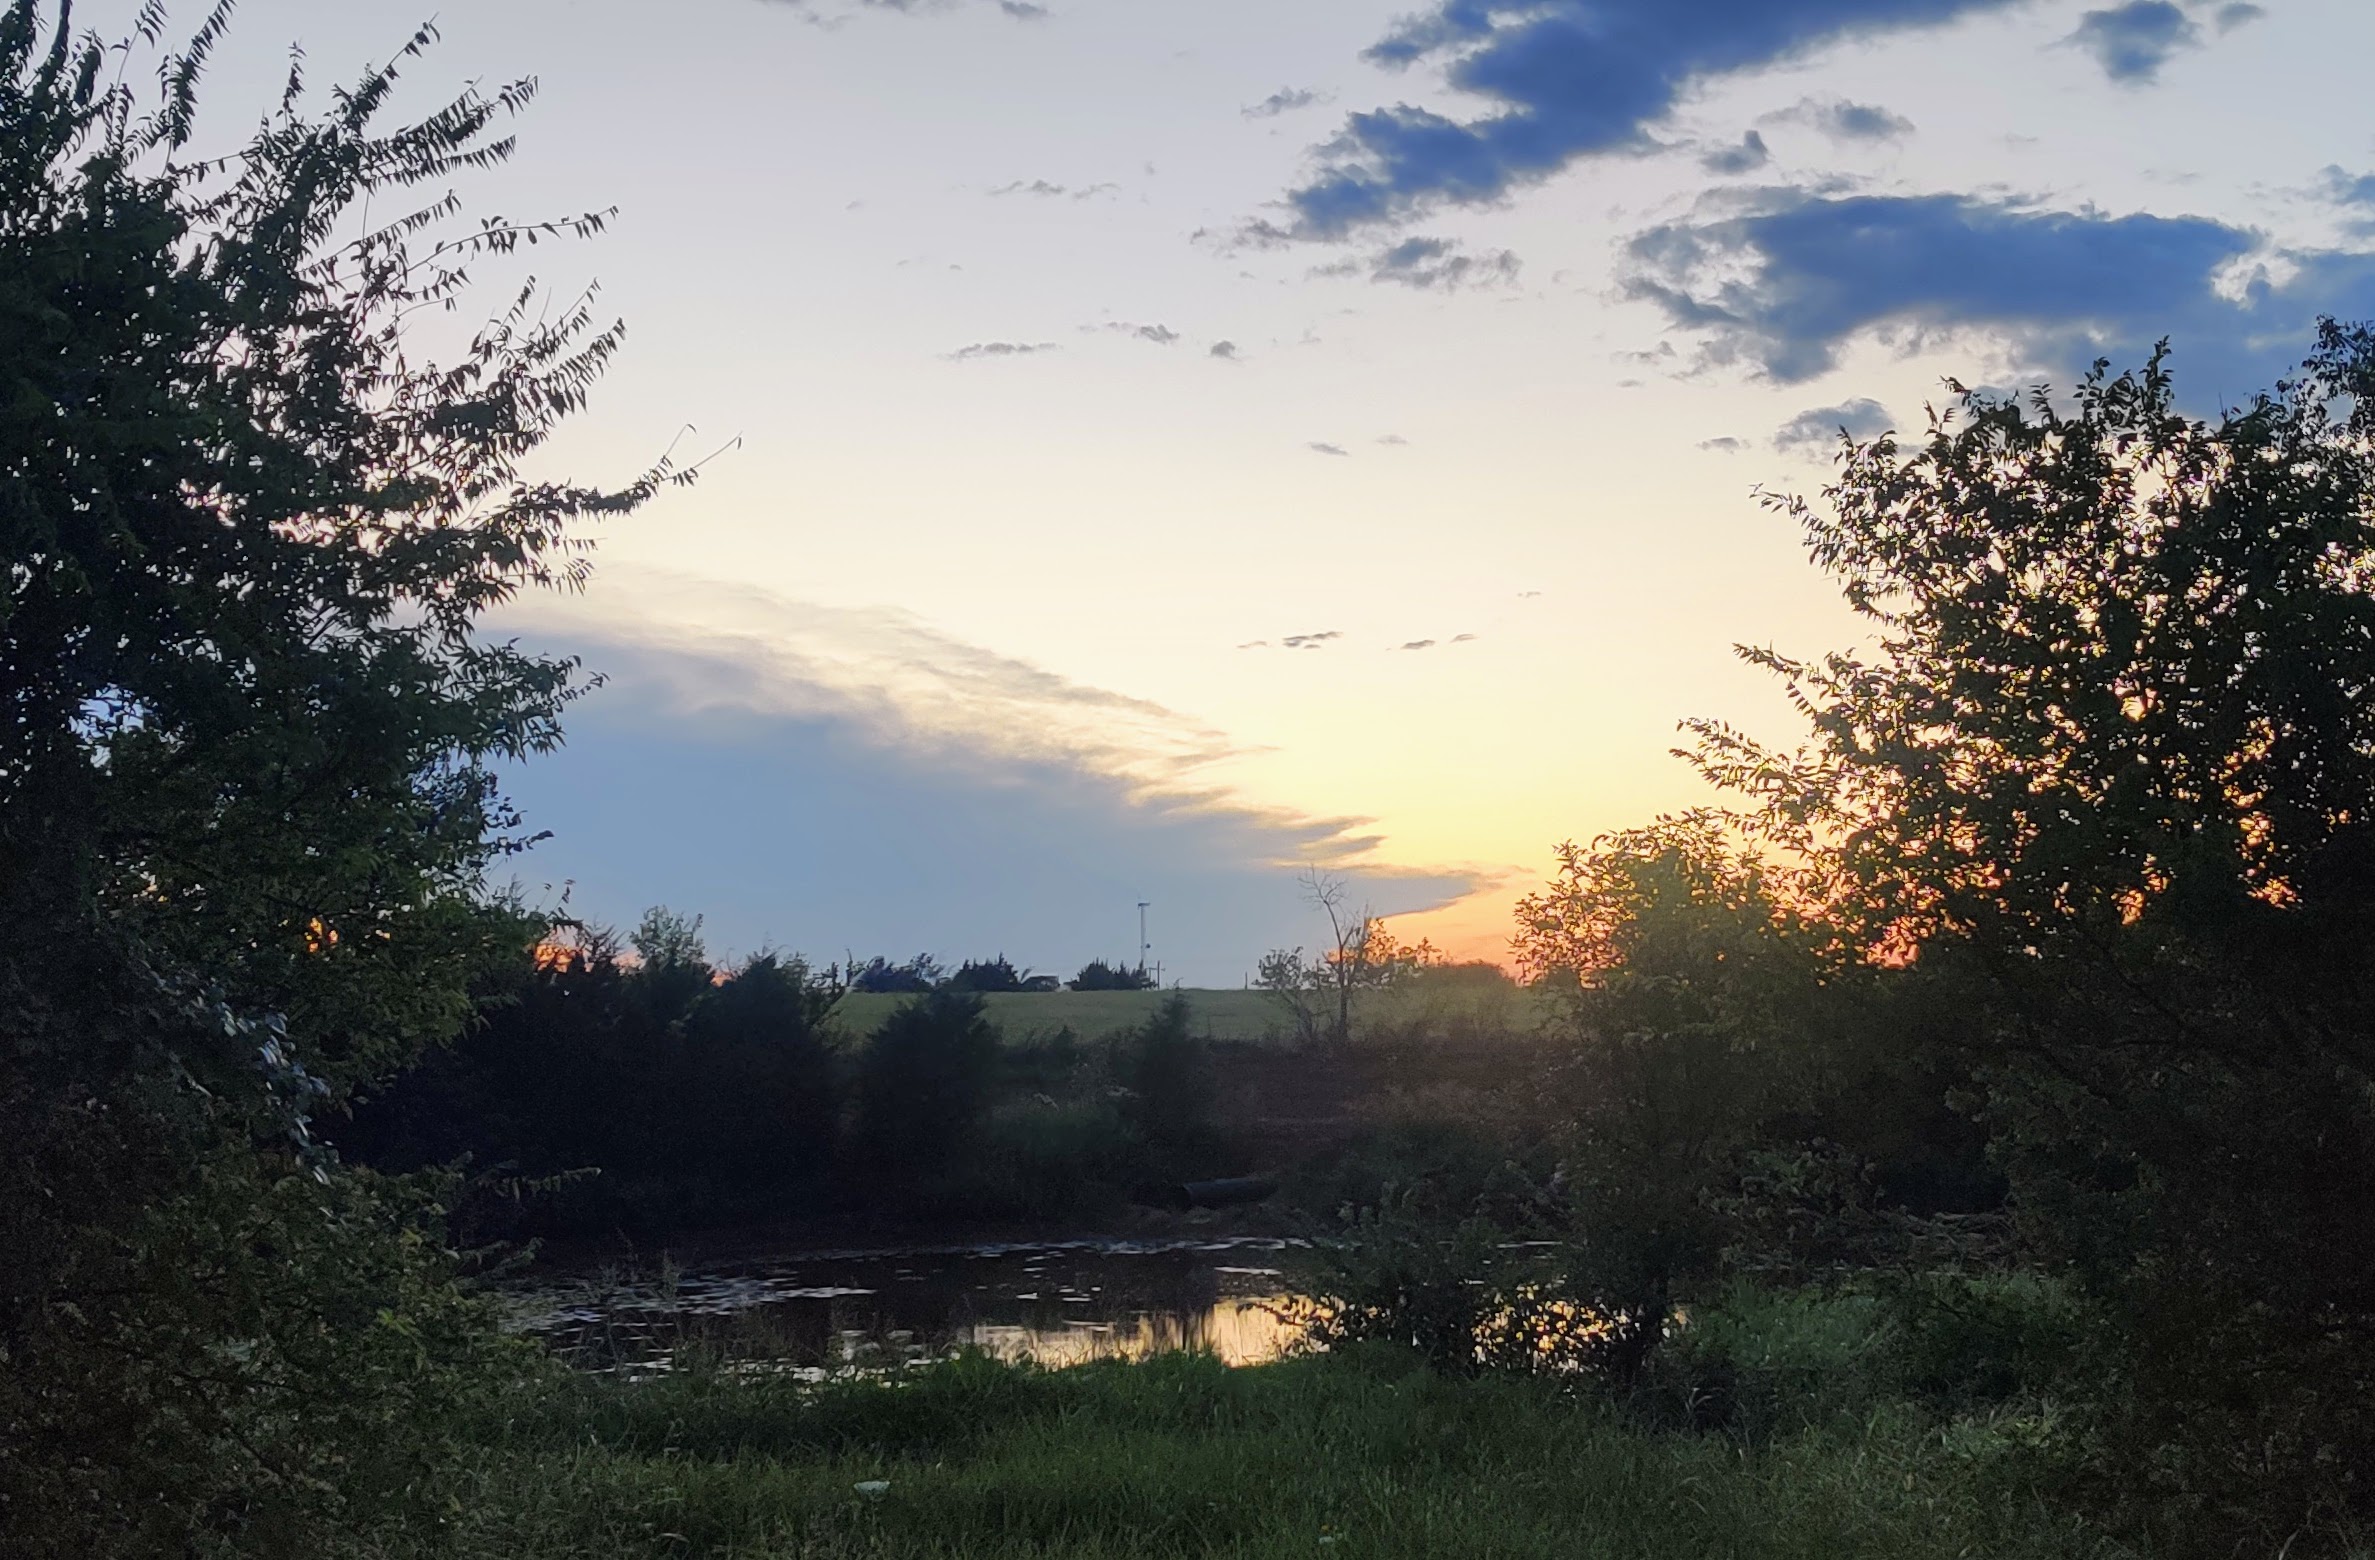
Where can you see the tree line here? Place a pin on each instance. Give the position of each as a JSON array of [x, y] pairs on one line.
[[636, 1086]]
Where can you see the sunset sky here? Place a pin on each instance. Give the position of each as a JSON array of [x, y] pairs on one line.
[[1158, 446]]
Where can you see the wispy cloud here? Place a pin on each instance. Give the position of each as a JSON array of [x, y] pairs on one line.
[[1842, 120], [1160, 335], [1821, 426], [1000, 349], [2353, 193], [1392, 438], [1048, 189], [1747, 156], [829, 15], [1441, 264], [1284, 101], [1318, 641], [1321, 447], [1726, 445]]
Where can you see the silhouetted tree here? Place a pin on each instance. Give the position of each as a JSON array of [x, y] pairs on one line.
[[1318, 991], [1099, 975], [249, 735], [672, 967], [987, 975], [1684, 982], [2111, 764], [922, 1085], [878, 974], [1167, 1068]]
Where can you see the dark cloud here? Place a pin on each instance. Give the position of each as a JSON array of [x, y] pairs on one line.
[[1284, 101], [1226, 351], [1819, 427], [1842, 120], [2230, 17], [1727, 445], [2133, 41], [1000, 349], [1747, 157], [1463, 639], [1436, 263], [1318, 641], [1416, 644], [1783, 287], [1023, 10], [1319, 447], [1571, 79]]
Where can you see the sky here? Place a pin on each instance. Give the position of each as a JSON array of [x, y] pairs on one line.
[[1154, 449]]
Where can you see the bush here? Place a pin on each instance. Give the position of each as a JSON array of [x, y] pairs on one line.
[[1099, 975], [1168, 1072], [924, 1082], [1967, 1341]]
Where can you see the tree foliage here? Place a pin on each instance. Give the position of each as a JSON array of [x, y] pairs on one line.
[[878, 974], [1114, 975], [988, 975], [1689, 994], [2111, 767], [923, 1083], [248, 724], [1318, 992]]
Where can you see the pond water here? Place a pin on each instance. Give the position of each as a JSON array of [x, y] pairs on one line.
[[1058, 1302]]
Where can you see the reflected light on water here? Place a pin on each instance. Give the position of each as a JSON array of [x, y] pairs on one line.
[[1059, 1304], [1237, 1332]]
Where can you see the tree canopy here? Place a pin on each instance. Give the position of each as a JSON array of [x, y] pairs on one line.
[[248, 724], [2109, 769]]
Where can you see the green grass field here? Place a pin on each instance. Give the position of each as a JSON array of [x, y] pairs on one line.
[[1179, 1456], [1217, 1015]]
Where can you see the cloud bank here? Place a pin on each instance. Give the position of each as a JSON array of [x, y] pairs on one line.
[[825, 779]]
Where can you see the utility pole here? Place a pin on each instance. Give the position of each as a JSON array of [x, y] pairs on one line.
[[1142, 942]]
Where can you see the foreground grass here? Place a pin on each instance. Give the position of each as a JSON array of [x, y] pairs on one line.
[[1180, 1456]]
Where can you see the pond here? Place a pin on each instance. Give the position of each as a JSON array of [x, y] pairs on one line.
[[1058, 1302]]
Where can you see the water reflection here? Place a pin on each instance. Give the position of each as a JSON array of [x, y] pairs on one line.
[[1060, 1303]]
